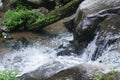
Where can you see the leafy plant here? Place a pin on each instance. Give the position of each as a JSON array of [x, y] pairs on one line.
[[42, 21], [9, 75], [98, 76], [20, 5], [23, 18], [112, 75], [20, 19]]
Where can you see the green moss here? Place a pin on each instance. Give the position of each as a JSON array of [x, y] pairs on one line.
[[43, 21]]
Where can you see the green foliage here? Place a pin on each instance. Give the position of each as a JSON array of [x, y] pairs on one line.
[[98, 76], [20, 19], [21, 5], [58, 3], [43, 21], [23, 18], [8, 75], [112, 75]]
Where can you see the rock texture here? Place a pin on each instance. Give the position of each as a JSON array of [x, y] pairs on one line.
[[92, 6], [92, 19], [78, 72]]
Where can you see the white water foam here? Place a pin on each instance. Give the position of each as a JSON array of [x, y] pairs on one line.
[[31, 58], [28, 59]]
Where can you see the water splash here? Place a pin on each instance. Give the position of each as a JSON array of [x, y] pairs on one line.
[[45, 58], [32, 57]]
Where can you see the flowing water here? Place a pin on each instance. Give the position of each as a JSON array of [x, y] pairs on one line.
[[39, 55], [44, 56]]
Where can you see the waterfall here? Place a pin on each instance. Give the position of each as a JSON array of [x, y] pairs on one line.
[[109, 55]]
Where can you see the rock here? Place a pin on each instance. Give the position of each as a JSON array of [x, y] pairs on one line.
[[43, 72], [91, 18], [49, 4], [93, 6], [108, 35], [74, 73], [62, 12], [78, 72], [33, 3], [36, 2], [20, 43], [88, 7], [58, 27], [6, 35], [16, 44], [70, 25], [43, 10], [7, 4]]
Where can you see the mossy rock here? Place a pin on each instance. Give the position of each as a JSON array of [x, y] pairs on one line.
[[25, 19]]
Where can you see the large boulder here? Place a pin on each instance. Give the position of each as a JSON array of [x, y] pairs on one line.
[[54, 72], [103, 21], [92, 6]]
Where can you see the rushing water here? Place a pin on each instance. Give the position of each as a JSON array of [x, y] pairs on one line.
[[43, 55], [39, 55], [32, 57]]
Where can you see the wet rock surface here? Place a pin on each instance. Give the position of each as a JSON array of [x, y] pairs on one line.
[[100, 20], [88, 25], [93, 6], [78, 72]]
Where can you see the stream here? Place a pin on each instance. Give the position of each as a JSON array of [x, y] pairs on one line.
[[38, 55], [43, 54]]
